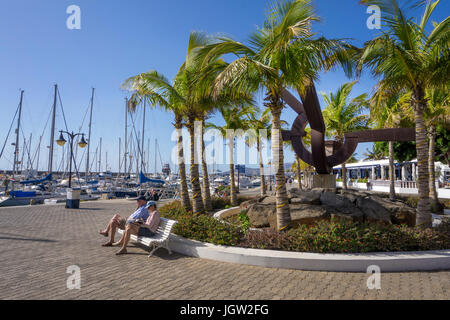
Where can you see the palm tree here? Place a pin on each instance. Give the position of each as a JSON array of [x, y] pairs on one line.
[[196, 77], [158, 91], [258, 124], [299, 165], [387, 110], [406, 56], [236, 123], [343, 115], [374, 154], [283, 53], [438, 111]]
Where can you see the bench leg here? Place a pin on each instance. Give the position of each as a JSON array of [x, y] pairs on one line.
[[166, 245], [155, 247]]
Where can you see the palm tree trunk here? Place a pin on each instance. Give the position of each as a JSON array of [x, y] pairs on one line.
[[299, 174], [197, 202], [206, 185], [431, 168], [391, 171], [282, 202], [184, 194], [233, 195], [261, 169], [423, 218], [344, 177]]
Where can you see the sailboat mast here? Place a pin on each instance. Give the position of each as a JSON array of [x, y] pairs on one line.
[[100, 157], [126, 140], [143, 140], [120, 157], [52, 133], [16, 151], [156, 143], [89, 135]]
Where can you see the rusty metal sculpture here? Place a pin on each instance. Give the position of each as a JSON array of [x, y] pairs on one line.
[[327, 154]]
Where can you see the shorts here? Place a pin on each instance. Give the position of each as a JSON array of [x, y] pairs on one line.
[[145, 232], [121, 222]]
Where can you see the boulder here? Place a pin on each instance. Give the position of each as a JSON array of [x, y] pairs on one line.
[[307, 214], [302, 214], [400, 212], [259, 214], [270, 200], [341, 205], [334, 212], [247, 204], [306, 197], [373, 211]]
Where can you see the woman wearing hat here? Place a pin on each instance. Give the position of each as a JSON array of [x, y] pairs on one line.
[[147, 229]]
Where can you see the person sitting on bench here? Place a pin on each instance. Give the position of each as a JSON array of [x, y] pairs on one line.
[[147, 229], [118, 222]]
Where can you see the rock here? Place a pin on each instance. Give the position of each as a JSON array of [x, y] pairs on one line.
[[247, 204], [341, 204], [302, 214], [293, 192], [400, 212], [259, 215], [307, 197], [307, 214], [373, 211], [334, 212], [270, 200]]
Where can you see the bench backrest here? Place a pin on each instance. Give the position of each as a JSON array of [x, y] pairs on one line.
[[165, 227]]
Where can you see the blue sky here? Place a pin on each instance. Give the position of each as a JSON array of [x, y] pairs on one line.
[[119, 39]]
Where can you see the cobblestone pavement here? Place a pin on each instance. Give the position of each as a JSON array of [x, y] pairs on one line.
[[39, 243]]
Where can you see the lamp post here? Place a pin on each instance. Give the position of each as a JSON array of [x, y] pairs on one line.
[[61, 142]]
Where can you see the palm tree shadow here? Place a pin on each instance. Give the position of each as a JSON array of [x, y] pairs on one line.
[[27, 239]]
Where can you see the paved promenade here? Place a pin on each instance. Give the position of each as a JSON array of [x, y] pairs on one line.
[[39, 243]]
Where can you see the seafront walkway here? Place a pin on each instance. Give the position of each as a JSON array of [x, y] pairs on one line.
[[39, 243]]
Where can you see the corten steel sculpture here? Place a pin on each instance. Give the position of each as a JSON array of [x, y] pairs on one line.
[[327, 154]]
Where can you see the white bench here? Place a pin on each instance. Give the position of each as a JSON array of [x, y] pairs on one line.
[[160, 239]]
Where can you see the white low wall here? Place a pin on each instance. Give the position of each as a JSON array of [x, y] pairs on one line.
[[388, 262]]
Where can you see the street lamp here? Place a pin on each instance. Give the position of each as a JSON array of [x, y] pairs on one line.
[[61, 142]]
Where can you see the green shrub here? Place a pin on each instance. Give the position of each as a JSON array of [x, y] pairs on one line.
[[335, 236], [244, 221], [341, 236], [207, 229], [202, 227]]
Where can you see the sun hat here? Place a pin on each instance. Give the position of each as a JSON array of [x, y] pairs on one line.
[[150, 203]]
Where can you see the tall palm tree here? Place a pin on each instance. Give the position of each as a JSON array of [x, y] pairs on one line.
[[387, 110], [411, 56], [343, 115], [438, 111], [196, 77], [158, 91], [299, 165], [258, 124], [283, 53], [236, 123]]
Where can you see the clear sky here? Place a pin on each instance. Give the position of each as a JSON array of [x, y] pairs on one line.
[[119, 39]]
